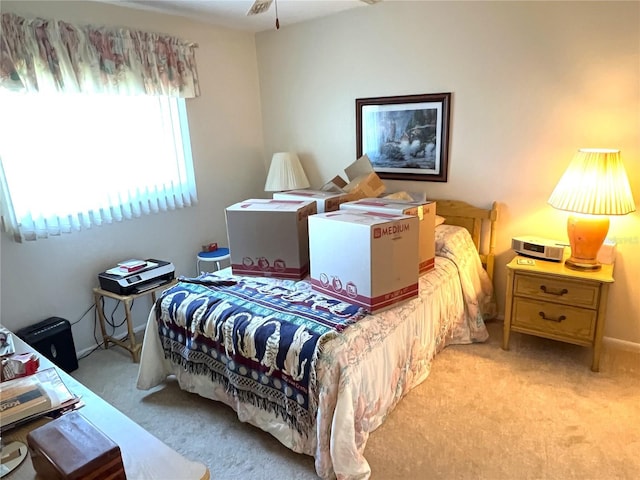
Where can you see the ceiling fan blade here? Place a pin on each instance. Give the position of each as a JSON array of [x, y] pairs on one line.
[[259, 6]]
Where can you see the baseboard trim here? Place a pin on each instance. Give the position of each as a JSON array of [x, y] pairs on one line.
[[120, 336], [609, 341], [621, 344]]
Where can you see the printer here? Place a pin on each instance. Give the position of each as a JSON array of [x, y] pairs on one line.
[[153, 274]]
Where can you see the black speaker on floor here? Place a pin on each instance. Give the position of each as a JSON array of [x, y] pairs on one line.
[[53, 339]]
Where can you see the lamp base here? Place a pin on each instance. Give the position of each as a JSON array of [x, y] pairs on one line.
[[586, 236], [581, 266]]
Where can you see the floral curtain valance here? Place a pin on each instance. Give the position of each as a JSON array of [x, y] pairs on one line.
[[53, 56]]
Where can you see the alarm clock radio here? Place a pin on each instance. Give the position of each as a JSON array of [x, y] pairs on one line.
[[538, 247]]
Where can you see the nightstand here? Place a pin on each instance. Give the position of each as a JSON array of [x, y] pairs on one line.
[[548, 300]]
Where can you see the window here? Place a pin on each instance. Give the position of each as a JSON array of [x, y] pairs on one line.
[[72, 161]]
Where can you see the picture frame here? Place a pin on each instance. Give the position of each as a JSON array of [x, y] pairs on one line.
[[405, 137]]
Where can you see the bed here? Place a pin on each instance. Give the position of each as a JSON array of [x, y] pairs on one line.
[[318, 374]]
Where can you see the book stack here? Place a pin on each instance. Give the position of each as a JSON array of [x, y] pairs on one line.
[[122, 269], [132, 265], [23, 400], [33, 396]]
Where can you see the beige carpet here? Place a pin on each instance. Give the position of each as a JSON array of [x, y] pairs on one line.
[[534, 412]]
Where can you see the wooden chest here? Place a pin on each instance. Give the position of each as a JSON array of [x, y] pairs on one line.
[[72, 448]]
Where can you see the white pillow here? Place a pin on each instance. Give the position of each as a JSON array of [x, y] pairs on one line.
[[439, 220]]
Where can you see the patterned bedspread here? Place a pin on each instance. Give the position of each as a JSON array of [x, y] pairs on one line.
[[360, 373], [259, 339]]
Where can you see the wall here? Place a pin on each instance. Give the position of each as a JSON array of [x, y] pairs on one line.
[[55, 277], [532, 82]]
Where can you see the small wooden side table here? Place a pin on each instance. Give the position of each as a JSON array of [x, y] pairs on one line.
[[549, 300], [132, 345]]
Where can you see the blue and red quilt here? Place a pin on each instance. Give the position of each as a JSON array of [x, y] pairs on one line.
[[257, 337]]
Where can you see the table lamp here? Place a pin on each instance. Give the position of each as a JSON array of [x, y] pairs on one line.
[[594, 186], [285, 173]]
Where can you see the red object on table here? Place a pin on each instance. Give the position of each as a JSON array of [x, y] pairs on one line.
[[211, 247], [19, 365]]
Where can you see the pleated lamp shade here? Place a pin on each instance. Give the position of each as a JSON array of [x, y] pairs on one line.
[[595, 183], [285, 173], [594, 186]]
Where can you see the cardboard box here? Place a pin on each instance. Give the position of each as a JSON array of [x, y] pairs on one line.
[[365, 186], [426, 213], [363, 258], [406, 196], [325, 201], [336, 184], [364, 182], [270, 238]]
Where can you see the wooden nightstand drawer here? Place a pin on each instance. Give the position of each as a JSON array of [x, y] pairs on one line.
[[552, 319], [562, 290]]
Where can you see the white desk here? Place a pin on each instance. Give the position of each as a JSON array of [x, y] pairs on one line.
[[144, 456]]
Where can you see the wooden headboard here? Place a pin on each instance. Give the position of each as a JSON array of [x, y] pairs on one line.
[[472, 218]]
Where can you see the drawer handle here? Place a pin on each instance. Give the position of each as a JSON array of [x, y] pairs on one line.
[[559, 293], [551, 319]]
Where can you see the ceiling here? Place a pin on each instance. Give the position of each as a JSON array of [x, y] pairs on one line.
[[233, 13]]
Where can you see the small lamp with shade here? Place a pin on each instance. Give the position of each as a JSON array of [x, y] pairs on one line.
[[285, 173]]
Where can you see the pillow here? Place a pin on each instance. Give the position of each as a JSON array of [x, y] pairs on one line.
[[439, 220]]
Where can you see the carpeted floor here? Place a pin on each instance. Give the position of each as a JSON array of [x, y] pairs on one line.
[[534, 412]]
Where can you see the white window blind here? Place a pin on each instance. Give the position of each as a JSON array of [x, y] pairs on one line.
[[72, 161]]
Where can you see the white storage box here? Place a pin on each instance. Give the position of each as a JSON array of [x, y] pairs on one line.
[[270, 238], [364, 258], [325, 201], [426, 213], [607, 252]]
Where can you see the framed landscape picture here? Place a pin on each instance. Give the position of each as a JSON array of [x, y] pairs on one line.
[[405, 137]]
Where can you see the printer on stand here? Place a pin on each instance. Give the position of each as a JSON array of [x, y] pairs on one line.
[[136, 276]]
